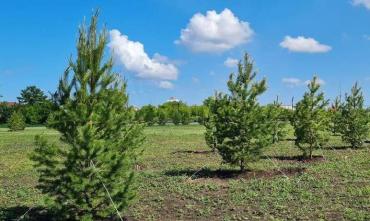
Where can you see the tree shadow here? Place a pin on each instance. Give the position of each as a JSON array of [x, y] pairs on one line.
[[297, 158], [27, 213], [24, 213], [234, 174], [193, 151]]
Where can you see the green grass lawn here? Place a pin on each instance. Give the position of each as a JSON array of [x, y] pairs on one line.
[[179, 179]]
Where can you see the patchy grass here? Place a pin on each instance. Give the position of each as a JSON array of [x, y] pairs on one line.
[[180, 179]]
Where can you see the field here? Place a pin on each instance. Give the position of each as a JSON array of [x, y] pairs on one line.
[[179, 179]]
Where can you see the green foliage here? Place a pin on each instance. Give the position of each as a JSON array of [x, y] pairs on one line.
[[176, 117], [5, 112], [147, 114], [310, 120], [241, 130], [209, 124], [199, 113], [16, 121], [34, 105], [354, 119], [32, 95], [162, 116], [101, 140], [274, 113], [335, 112], [185, 115]]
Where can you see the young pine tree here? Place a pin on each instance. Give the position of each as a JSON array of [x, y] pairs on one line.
[[240, 129], [354, 118], [16, 121], [310, 120], [277, 125], [335, 112], [95, 167], [209, 124]]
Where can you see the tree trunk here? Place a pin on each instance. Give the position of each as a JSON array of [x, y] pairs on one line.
[[242, 166]]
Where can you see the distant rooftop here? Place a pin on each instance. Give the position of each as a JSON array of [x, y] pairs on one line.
[[173, 99]]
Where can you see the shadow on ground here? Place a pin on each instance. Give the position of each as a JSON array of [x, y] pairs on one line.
[[24, 213], [295, 158], [193, 151], [235, 174]]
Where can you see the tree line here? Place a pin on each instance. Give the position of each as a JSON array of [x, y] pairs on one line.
[[175, 112], [92, 175]]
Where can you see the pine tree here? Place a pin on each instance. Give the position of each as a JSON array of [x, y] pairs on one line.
[[354, 118], [241, 132], [336, 116], [277, 125], [310, 120], [16, 121], [95, 167], [209, 124]]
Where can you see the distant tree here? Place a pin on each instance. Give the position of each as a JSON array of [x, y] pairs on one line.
[[185, 115], [335, 112], [162, 116], [310, 120], [354, 124], [176, 117], [32, 95], [5, 112], [96, 164], [277, 123], [149, 114], [240, 128], [16, 122]]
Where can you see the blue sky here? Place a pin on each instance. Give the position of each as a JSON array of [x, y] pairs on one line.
[[184, 45]]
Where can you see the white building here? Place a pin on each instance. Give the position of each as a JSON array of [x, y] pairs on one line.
[[173, 99]]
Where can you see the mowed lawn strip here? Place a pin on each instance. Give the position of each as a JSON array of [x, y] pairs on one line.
[[181, 179]]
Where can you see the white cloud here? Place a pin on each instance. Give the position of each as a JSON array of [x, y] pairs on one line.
[[365, 3], [295, 82], [165, 85], [231, 62], [292, 82], [215, 32], [302, 44], [133, 57]]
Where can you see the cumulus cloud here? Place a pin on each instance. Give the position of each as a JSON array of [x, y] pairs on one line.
[[365, 3], [165, 85], [319, 81], [231, 62], [305, 45], [295, 82], [132, 56], [215, 32], [292, 82]]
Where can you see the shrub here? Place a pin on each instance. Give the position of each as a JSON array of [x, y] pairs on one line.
[[96, 164], [354, 120], [310, 120], [162, 116], [240, 128], [16, 121], [185, 115]]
